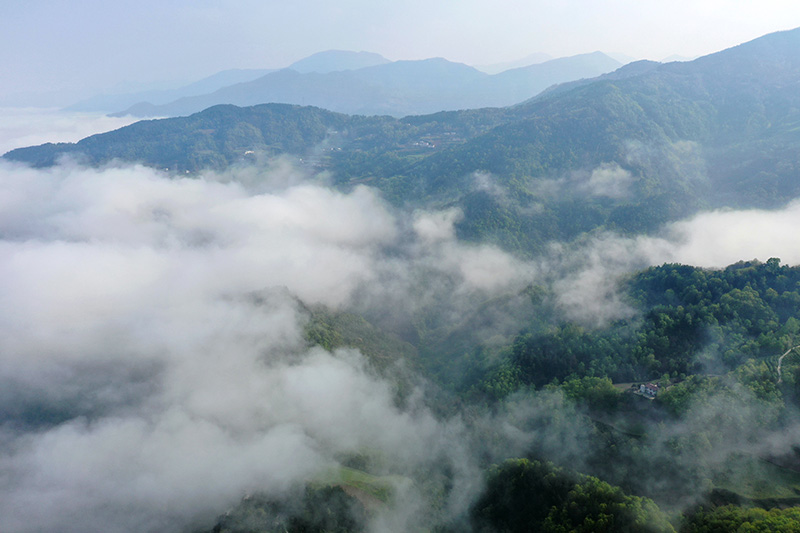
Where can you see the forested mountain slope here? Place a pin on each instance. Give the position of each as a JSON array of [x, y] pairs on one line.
[[634, 152], [629, 152], [227, 135]]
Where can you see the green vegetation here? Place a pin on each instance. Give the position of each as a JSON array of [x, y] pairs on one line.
[[693, 322], [337, 501], [379, 488], [710, 338], [735, 519], [759, 480], [332, 330], [523, 495], [719, 131], [327, 509]]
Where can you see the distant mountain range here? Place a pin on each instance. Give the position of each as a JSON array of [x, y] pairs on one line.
[[531, 59], [337, 60], [115, 101], [368, 84], [628, 150], [322, 62]]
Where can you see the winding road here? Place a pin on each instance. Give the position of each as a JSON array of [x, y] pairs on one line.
[[780, 362]]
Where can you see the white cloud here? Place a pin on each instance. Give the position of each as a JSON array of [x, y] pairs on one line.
[[154, 322], [21, 127], [591, 271], [438, 225], [609, 180], [719, 238]]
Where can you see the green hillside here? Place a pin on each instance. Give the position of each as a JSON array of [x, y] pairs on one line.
[[626, 152]]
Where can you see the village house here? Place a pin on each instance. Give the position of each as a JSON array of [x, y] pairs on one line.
[[648, 389]]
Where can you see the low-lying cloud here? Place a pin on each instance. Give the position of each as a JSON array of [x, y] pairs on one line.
[[588, 289], [154, 362], [21, 127], [718, 238], [609, 180]]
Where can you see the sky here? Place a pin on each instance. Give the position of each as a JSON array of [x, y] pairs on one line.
[[63, 51]]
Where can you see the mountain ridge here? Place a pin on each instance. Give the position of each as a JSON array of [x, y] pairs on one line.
[[398, 88], [668, 139], [337, 60]]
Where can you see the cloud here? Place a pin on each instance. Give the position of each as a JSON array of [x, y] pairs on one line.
[[609, 180], [718, 238], [155, 368], [436, 226], [586, 275], [485, 182], [123, 272], [479, 267], [32, 126]]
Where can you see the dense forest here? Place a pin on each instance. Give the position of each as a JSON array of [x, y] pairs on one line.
[[723, 349]]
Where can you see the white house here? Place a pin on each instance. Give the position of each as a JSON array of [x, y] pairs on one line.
[[648, 389]]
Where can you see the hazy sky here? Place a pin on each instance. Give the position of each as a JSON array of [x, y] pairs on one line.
[[72, 47]]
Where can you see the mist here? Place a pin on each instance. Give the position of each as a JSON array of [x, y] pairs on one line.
[[587, 273], [155, 368], [21, 127]]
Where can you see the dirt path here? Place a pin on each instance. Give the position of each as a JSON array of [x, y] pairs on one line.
[[780, 362]]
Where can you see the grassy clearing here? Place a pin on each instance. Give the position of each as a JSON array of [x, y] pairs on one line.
[[757, 479], [379, 487]]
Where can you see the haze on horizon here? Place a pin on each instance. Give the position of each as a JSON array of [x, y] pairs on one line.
[[73, 50]]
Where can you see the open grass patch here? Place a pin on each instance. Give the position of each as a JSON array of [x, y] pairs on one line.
[[379, 487], [757, 479]]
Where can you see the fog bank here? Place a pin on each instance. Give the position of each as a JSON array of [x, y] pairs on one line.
[[154, 366]]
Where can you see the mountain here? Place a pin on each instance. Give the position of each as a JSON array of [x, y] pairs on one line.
[[367, 91], [521, 83], [284, 86], [336, 60], [225, 135], [507, 372], [396, 88], [115, 101], [215, 138], [630, 150], [719, 131], [322, 62], [677, 57], [629, 70], [530, 59], [622, 58]]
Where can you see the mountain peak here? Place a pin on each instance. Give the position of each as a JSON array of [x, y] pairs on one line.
[[530, 59], [337, 60]]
